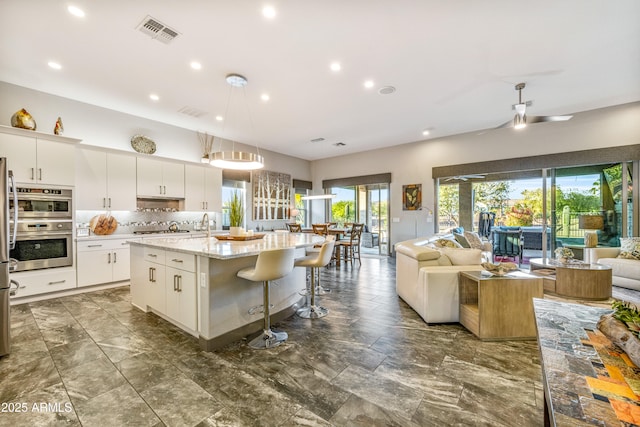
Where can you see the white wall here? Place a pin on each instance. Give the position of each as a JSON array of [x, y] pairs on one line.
[[102, 127], [412, 163]]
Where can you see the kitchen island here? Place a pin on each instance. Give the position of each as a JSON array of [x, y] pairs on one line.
[[193, 284]]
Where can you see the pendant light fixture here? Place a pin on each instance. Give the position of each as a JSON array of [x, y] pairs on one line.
[[520, 119], [238, 160]]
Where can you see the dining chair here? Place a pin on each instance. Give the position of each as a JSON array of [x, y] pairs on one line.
[[321, 229], [352, 245], [294, 228]]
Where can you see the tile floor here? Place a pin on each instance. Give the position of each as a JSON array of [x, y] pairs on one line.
[[96, 361]]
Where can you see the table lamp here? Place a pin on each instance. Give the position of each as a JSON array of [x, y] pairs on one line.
[[590, 223]]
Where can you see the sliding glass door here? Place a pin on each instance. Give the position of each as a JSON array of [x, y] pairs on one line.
[[366, 204], [559, 205]]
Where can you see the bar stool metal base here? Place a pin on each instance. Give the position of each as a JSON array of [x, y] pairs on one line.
[[312, 312], [268, 339], [322, 291]]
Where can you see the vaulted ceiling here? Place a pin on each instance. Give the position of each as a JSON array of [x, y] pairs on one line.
[[451, 67]]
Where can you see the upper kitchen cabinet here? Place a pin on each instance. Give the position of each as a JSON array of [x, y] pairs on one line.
[[203, 189], [38, 158], [105, 181], [157, 178]]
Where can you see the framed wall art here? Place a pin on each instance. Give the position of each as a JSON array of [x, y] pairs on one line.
[[271, 195], [411, 197]]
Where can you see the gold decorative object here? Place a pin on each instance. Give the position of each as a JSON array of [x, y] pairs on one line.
[[22, 119], [143, 144], [499, 269], [58, 129]]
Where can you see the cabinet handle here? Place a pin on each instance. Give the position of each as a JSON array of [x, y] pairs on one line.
[[165, 189], [109, 202], [179, 283], [104, 202], [94, 246], [114, 258], [177, 260], [33, 174], [57, 283], [152, 274], [153, 255], [40, 174], [109, 258], [175, 283]]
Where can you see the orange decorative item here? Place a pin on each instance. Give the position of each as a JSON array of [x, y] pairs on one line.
[[22, 119], [58, 129]]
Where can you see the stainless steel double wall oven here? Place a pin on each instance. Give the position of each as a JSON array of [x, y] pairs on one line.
[[44, 236]]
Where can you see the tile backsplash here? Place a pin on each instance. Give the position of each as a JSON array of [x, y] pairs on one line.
[[152, 219]]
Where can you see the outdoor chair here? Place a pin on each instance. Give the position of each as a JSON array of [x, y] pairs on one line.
[[507, 244]]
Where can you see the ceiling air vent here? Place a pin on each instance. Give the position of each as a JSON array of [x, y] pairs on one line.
[[157, 30], [191, 111]]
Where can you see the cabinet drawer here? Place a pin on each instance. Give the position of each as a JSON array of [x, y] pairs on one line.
[[154, 255], [102, 245], [181, 261], [51, 280]]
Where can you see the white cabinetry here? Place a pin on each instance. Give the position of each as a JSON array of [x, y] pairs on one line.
[[166, 282], [157, 178], [38, 158], [44, 281], [102, 261], [105, 181], [203, 189], [180, 285]]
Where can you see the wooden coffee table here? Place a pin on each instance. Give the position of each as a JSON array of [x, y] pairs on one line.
[[499, 308], [574, 280]]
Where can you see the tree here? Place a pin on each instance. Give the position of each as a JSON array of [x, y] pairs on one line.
[[448, 205]]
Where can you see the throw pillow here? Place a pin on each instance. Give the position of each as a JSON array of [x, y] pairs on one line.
[[628, 244], [634, 253], [447, 243], [459, 256], [474, 240], [460, 238]]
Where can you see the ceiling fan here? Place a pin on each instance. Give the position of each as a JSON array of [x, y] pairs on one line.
[[464, 177], [521, 120]]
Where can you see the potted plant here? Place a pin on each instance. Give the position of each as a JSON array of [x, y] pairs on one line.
[[236, 214]]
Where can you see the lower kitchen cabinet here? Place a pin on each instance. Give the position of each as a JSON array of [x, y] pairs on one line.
[[102, 261], [44, 281], [181, 297], [165, 281]]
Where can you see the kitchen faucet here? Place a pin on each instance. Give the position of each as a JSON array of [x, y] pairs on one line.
[[205, 220]]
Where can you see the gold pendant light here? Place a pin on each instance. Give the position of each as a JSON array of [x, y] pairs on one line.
[[238, 160]]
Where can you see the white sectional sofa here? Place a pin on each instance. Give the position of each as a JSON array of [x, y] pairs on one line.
[[625, 272], [427, 277]]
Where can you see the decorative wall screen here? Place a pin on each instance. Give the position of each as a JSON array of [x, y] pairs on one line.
[[271, 195]]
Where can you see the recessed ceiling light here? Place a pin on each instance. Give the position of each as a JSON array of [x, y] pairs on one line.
[[335, 66], [368, 84], [154, 97], [219, 118], [264, 97], [269, 12], [425, 132], [196, 65], [54, 65], [76, 11]]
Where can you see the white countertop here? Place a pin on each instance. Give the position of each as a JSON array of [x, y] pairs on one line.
[[225, 249]]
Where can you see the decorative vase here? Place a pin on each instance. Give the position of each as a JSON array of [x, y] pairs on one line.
[[22, 119], [236, 231]]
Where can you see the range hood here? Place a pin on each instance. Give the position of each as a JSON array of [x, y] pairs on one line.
[[161, 204]]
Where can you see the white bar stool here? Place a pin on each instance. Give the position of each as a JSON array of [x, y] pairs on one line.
[[315, 261], [270, 265]]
